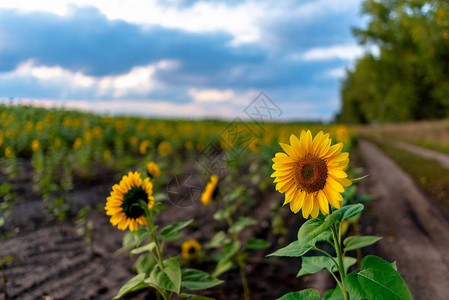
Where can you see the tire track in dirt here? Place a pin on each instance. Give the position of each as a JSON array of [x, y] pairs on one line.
[[415, 228]]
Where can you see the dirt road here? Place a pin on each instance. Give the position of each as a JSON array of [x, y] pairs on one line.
[[415, 228]]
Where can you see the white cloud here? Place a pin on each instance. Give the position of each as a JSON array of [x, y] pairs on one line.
[[336, 73], [242, 20], [210, 95], [138, 81], [347, 52]]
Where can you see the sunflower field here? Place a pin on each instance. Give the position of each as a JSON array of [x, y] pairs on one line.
[[134, 208]]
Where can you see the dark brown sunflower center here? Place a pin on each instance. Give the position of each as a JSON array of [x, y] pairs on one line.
[[192, 250], [130, 201], [310, 173]]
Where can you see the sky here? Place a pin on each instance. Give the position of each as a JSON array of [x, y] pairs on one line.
[[184, 58]]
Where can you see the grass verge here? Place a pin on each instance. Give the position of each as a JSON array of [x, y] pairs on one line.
[[426, 172]]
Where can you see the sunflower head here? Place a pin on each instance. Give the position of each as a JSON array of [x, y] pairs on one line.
[[143, 148], [207, 195], [153, 169], [35, 145], [191, 249], [311, 173], [123, 203], [164, 148]]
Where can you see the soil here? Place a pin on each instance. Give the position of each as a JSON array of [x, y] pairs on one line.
[[51, 258], [415, 228]]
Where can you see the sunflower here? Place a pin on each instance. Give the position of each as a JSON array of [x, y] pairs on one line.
[[311, 174], [164, 148], [129, 191], [35, 145], [206, 196], [153, 169], [190, 249]]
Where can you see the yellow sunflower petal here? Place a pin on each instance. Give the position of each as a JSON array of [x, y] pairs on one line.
[[316, 208], [322, 201], [288, 149]]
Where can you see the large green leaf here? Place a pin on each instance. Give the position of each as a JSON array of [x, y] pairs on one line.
[[355, 242], [257, 244], [334, 294], [312, 228], [169, 278], [309, 294], [174, 228], [377, 280], [314, 264], [194, 297], [197, 280], [134, 284], [145, 263], [241, 224]]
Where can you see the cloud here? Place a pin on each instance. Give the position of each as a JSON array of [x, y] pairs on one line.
[[346, 52], [211, 95], [86, 41]]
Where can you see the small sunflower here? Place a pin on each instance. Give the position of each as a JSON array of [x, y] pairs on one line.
[[311, 174], [191, 249], [35, 145], [153, 169], [206, 196], [143, 148], [129, 191], [164, 148]]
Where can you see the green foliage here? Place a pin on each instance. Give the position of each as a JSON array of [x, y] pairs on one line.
[[314, 264], [197, 280], [356, 242], [308, 294], [409, 78], [377, 279], [168, 278]]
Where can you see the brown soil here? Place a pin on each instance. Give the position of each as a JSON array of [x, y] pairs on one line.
[[51, 259], [415, 228]]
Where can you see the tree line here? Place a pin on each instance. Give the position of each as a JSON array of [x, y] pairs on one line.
[[408, 79]]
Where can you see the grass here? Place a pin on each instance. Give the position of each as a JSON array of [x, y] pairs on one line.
[[426, 172]]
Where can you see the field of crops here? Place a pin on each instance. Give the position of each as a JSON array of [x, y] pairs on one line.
[[143, 208]]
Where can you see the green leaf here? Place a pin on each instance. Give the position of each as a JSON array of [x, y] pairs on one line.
[[354, 180], [2, 221], [241, 224], [356, 242], [147, 248], [174, 228], [312, 228], [145, 263], [221, 214], [256, 244], [230, 249], [350, 210], [377, 279], [197, 280], [194, 297], [223, 266], [334, 294], [218, 240], [308, 294], [134, 284], [8, 259], [169, 278], [294, 249], [314, 264]]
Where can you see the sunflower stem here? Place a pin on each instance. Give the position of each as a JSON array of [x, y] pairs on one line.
[[152, 229], [341, 268]]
